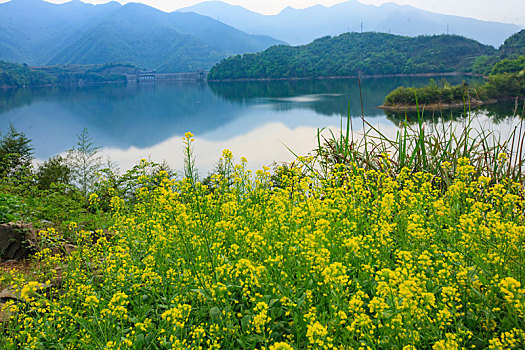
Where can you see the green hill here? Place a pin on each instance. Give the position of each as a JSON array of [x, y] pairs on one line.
[[514, 46], [352, 54]]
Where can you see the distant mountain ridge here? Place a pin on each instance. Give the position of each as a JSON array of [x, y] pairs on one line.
[[41, 33], [300, 26]]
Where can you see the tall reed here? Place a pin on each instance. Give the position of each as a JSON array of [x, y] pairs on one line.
[[435, 152]]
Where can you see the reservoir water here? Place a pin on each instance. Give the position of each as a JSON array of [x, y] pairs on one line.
[[257, 120]]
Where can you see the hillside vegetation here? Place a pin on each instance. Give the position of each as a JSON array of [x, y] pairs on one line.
[[514, 46], [351, 54], [17, 75], [21, 75]]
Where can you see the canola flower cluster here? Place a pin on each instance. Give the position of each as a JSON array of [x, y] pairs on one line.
[[361, 260]]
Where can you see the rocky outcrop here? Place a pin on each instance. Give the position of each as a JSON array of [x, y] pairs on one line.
[[16, 241]]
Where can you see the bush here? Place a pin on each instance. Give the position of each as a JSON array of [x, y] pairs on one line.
[[10, 208], [54, 170]]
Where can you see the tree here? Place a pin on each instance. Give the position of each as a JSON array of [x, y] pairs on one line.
[[84, 162], [16, 153], [54, 170]]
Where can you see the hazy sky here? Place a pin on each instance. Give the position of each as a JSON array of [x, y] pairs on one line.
[[512, 11]]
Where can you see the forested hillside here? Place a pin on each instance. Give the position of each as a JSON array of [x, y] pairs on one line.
[[352, 54], [514, 46], [21, 75], [17, 75]]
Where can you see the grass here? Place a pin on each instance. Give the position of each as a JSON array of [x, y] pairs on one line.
[[434, 152]]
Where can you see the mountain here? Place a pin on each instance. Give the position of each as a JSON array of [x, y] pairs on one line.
[[37, 29], [352, 54], [41, 33], [300, 26]]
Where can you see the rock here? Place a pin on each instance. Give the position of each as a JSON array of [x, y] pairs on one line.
[[16, 241], [69, 248], [8, 298], [7, 294]]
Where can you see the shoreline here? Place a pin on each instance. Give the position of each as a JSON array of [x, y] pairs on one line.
[[444, 106], [435, 106], [366, 76]]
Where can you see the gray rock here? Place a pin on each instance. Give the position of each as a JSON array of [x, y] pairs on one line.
[[16, 241]]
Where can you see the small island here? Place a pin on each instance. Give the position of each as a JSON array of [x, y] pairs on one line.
[[506, 81]]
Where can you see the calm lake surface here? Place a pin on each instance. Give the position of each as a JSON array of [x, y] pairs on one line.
[[257, 120]]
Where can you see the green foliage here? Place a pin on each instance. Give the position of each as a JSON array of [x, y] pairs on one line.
[[483, 64], [352, 54], [509, 66], [506, 85], [19, 75], [514, 46], [10, 207], [498, 87], [55, 170], [16, 153], [508, 59], [145, 174], [48, 194], [444, 93], [59, 204]]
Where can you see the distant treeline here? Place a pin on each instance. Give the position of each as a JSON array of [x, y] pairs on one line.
[[17, 75], [21, 75], [353, 54]]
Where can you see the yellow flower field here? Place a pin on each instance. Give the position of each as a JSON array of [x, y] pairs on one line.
[[362, 260]]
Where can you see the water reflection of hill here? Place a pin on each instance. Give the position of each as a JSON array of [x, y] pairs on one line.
[[328, 96], [116, 116], [142, 116], [14, 98], [497, 113]]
